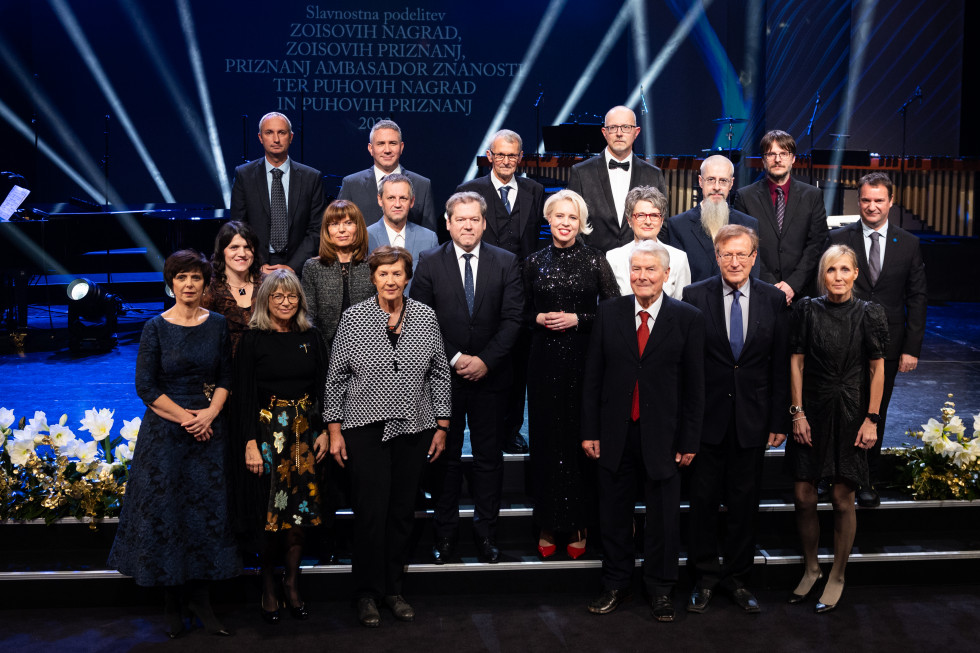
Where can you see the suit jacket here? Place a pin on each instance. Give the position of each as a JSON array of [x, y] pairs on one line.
[[684, 232], [323, 286], [417, 239], [590, 179], [793, 255], [671, 377], [362, 189], [498, 304], [529, 211], [250, 203], [901, 286], [755, 388]]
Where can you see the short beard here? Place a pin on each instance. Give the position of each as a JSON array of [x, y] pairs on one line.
[[714, 216]]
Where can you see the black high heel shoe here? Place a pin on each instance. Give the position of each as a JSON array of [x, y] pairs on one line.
[[271, 617], [823, 608], [800, 598], [298, 612]]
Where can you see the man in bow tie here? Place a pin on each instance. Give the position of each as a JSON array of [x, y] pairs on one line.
[[605, 180]]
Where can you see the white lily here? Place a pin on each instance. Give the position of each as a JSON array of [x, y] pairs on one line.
[[932, 431], [7, 418], [39, 422], [131, 429], [123, 452], [86, 452], [956, 425], [950, 447], [98, 423], [61, 436], [976, 424], [21, 450]]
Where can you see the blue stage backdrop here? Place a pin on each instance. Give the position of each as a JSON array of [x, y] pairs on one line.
[[184, 82]]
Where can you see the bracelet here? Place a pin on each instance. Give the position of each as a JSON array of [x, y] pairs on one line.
[[797, 419]]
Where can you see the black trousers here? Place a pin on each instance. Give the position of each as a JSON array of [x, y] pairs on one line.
[[729, 473], [661, 545], [874, 453], [483, 409], [384, 481]]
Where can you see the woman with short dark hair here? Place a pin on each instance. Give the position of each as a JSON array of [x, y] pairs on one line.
[[388, 402], [174, 529]]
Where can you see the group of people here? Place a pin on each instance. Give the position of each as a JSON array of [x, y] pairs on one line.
[[644, 345]]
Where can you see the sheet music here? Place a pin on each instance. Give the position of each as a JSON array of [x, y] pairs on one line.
[[14, 199]]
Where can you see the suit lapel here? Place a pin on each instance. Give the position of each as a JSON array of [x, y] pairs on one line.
[[451, 266], [602, 175], [523, 208], [484, 271], [661, 326], [755, 313], [294, 190], [494, 206], [768, 210], [703, 240], [626, 325], [263, 183], [716, 311]]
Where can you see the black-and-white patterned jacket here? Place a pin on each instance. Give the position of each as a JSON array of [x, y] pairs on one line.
[[368, 381]]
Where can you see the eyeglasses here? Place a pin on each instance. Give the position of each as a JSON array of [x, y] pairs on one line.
[[499, 157], [648, 217], [773, 156], [721, 181], [281, 298], [728, 257], [626, 129]]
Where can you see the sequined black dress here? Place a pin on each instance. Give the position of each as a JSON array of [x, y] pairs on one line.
[[573, 280], [838, 342]]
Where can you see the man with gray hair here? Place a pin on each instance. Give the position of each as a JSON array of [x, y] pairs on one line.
[[694, 231], [642, 410], [475, 290], [514, 219], [605, 180], [386, 146], [281, 199]]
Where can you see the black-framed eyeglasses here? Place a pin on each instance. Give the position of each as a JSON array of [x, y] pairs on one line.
[[498, 156], [626, 129]]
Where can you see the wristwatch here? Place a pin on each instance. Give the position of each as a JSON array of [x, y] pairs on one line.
[[873, 417], [795, 409]]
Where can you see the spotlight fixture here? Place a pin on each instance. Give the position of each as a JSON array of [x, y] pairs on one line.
[[92, 316]]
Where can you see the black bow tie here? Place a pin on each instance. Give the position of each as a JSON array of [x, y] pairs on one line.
[[625, 165]]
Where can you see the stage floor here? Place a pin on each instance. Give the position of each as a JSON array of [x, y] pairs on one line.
[[58, 382]]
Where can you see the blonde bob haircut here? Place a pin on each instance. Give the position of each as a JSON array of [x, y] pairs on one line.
[[833, 253], [565, 195], [287, 282]]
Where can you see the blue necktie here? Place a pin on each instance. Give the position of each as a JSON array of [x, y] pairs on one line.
[[468, 283], [735, 326], [503, 196]]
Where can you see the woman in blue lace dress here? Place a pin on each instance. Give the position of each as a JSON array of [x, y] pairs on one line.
[[174, 530]]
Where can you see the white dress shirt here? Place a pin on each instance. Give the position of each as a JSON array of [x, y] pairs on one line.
[[619, 182], [653, 311], [395, 238], [512, 185]]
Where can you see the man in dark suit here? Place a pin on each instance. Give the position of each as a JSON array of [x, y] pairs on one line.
[[746, 360], [281, 200], [693, 231], [792, 219], [386, 146], [475, 290], [642, 409], [605, 180], [515, 213], [890, 273], [396, 197]]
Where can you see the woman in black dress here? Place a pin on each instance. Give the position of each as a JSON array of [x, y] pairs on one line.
[[339, 276], [562, 286], [280, 375], [237, 275], [174, 529], [836, 380]]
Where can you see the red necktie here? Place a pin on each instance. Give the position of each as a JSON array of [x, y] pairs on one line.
[[642, 335]]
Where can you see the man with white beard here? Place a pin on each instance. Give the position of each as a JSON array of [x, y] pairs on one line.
[[694, 231]]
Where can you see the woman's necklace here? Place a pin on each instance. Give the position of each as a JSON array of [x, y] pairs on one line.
[[401, 316], [240, 289]]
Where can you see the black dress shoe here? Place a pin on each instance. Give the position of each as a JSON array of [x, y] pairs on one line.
[[516, 444], [443, 550], [488, 550], [663, 608], [867, 497], [367, 612], [699, 600], [744, 599], [608, 601], [400, 607]]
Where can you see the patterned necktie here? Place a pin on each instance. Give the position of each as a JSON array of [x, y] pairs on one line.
[[468, 283], [503, 196], [780, 207], [642, 335], [278, 232], [874, 257], [735, 326]]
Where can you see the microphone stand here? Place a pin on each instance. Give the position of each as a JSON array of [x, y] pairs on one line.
[[537, 129], [244, 138], [105, 161], [809, 132], [916, 95]]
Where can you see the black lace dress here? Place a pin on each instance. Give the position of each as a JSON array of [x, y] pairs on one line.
[[174, 525], [573, 280], [838, 342]]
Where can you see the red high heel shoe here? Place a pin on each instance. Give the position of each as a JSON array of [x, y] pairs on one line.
[[576, 552], [547, 551]]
